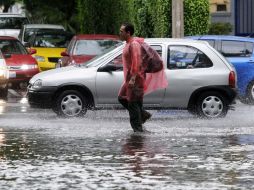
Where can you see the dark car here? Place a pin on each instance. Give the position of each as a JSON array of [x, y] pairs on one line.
[[84, 47], [239, 51]]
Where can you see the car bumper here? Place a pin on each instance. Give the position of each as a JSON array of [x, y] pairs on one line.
[[42, 98], [231, 93], [44, 66], [21, 76]]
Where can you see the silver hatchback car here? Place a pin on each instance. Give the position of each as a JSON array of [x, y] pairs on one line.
[[200, 80]]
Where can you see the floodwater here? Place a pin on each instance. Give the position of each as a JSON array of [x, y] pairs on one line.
[[41, 151]]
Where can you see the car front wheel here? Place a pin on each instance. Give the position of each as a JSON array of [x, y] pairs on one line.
[[212, 105], [70, 103]]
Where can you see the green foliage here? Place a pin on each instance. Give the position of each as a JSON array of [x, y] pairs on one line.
[[220, 28], [154, 18], [52, 12], [196, 17], [101, 16], [161, 16], [7, 4], [151, 18]]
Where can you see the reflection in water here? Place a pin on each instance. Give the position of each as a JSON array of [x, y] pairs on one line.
[[2, 106], [15, 146], [124, 161], [24, 107], [2, 137], [134, 147], [23, 100]]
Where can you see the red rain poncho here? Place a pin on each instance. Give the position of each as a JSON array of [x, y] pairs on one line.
[[132, 66]]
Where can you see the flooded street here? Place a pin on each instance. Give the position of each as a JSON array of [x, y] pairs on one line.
[[38, 150]]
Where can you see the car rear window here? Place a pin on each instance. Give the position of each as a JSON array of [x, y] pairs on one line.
[[30, 31], [93, 47], [236, 48], [12, 22], [50, 39], [186, 57]]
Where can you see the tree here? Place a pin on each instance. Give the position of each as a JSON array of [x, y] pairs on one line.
[[101, 16], [219, 28], [196, 17], [7, 4], [52, 12], [153, 18]]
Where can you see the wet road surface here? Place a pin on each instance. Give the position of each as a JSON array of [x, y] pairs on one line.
[[38, 150]]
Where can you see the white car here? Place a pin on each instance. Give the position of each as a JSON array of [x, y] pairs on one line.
[[4, 77], [10, 24], [200, 79]]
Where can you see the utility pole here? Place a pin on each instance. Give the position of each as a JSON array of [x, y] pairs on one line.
[[177, 19]]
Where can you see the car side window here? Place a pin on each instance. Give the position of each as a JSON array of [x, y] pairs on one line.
[[186, 57], [236, 48]]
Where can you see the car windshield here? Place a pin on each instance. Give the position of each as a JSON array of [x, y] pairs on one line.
[[51, 39], [12, 47], [93, 47], [111, 50], [12, 22], [30, 31]]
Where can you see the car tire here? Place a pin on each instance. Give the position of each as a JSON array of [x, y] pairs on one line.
[[70, 103], [212, 104], [4, 93]]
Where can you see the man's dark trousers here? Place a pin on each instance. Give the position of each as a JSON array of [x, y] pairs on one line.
[[135, 111]]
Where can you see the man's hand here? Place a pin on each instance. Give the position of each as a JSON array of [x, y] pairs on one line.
[[132, 81]]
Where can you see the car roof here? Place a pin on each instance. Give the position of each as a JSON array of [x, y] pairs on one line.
[[95, 37], [170, 40], [11, 15], [7, 38], [222, 37], [55, 26]]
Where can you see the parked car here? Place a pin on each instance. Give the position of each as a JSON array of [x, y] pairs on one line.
[[84, 47], [10, 24], [22, 66], [201, 81], [49, 45], [4, 76], [239, 52], [28, 30]]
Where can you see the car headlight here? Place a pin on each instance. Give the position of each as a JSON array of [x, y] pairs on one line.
[[39, 58], [26, 67], [37, 84]]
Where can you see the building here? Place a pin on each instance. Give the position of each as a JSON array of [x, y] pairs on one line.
[[223, 11], [239, 13]]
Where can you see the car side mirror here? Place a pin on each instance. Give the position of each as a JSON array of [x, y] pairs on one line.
[[7, 55], [64, 53], [110, 68]]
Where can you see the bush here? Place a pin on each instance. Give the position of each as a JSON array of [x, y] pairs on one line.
[[220, 28]]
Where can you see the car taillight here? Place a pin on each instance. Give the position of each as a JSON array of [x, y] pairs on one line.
[[231, 79]]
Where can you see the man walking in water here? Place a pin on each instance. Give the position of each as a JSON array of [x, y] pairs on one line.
[[134, 87]]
